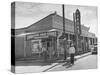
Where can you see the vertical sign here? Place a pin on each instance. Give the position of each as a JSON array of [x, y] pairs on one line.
[[75, 32], [78, 22], [74, 21], [77, 28]]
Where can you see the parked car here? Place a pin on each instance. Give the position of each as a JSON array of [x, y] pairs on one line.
[[94, 49]]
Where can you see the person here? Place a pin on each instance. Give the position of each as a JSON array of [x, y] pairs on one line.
[[72, 53], [44, 53]]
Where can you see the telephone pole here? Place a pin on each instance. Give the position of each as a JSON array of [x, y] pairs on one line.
[[63, 13]]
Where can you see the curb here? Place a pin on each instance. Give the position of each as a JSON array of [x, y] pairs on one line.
[[84, 55], [51, 67]]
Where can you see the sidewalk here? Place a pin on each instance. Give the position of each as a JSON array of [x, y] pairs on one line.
[[31, 69], [42, 68], [76, 57], [83, 55]]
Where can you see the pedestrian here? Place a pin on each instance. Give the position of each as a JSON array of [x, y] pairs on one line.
[[44, 53], [72, 53]]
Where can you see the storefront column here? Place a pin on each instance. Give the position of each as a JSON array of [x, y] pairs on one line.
[[57, 43], [82, 41], [95, 41], [83, 44], [39, 45], [92, 41], [68, 36], [88, 44], [24, 46]]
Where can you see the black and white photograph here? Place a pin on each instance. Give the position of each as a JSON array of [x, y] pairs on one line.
[[49, 37]]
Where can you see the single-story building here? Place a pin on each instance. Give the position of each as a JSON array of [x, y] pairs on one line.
[[46, 33]]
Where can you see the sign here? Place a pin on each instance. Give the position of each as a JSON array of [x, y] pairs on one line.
[[78, 24], [40, 35]]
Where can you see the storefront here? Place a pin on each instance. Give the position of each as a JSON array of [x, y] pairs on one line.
[[47, 33], [34, 44]]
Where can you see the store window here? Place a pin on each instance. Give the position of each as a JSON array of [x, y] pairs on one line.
[[36, 46]]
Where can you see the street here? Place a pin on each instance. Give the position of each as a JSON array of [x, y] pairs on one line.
[[85, 61], [88, 62]]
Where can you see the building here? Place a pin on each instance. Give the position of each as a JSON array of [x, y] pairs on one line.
[[47, 32]]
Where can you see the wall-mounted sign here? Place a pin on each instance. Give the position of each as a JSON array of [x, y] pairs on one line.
[[40, 35]]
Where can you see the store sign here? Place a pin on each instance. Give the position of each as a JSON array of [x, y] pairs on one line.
[[30, 37], [51, 34], [40, 35], [78, 24]]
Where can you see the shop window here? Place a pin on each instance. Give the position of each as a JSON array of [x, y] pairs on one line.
[[36, 47]]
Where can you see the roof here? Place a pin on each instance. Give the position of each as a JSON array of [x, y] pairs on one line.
[[52, 21]]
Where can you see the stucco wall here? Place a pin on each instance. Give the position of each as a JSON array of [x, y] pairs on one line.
[[19, 47]]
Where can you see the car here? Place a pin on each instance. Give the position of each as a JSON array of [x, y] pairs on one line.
[[94, 49]]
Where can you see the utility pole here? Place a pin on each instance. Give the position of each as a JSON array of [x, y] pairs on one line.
[[63, 18], [64, 46]]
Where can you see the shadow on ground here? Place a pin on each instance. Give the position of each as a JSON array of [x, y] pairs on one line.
[[31, 62]]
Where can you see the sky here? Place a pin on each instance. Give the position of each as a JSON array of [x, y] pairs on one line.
[[28, 13]]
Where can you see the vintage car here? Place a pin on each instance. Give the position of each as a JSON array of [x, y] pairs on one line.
[[94, 49]]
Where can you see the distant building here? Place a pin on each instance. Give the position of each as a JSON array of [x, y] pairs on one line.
[[46, 33]]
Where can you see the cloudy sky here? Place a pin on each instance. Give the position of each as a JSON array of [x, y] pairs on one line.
[[28, 13]]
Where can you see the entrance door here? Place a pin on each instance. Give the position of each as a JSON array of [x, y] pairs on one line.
[[50, 45], [35, 48]]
